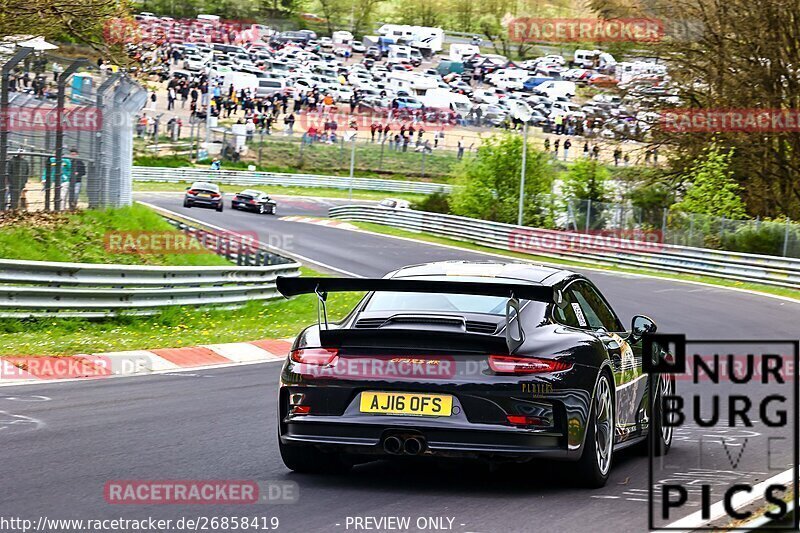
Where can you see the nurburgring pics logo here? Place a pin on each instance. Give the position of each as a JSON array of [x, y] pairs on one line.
[[732, 120], [637, 30]]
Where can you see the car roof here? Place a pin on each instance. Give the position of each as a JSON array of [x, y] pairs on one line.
[[530, 272]]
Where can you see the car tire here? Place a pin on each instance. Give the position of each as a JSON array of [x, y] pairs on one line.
[[306, 459], [220, 207], [659, 437], [261, 209], [593, 468], [273, 210], [186, 203]]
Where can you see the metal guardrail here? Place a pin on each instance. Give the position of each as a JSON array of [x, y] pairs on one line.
[[38, 288], [769, 270], [244, 177]]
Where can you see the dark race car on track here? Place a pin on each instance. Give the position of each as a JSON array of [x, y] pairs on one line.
[[504, 362], [203, 194], [252, 200]]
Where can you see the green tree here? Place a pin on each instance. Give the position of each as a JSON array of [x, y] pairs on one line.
[[487, 187], [710, 187], [585, 188], [586, 180]]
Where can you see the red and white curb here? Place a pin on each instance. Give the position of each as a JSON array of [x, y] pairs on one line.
[[321, 222], [26, 369]]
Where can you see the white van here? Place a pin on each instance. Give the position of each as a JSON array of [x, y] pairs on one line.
[[342, 37], [594, 59], [270, 86], [555, 89], [212, 19], [626, 71], [459, 52], [509, 78]]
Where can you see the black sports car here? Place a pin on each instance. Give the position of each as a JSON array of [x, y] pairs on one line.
[[252, 200], [203, 194], [505, 362]]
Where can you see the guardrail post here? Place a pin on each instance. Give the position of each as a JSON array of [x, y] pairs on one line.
[[588, 214], [20, 54], [61, 99], [664, 225], [786, 239]]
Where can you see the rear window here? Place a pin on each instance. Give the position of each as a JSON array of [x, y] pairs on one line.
[[424, 302], [205, 186]]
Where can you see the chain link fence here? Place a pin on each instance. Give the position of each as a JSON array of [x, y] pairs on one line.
[[66, 131], [780, 238]]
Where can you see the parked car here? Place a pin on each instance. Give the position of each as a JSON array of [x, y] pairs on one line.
[[203, 194], [252, 200]]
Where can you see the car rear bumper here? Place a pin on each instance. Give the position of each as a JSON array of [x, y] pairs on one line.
[[207, 202], [477, 440]]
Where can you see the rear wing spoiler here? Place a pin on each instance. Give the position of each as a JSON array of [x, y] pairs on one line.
[[513, 291], [523, 291]]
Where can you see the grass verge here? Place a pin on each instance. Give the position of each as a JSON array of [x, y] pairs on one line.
[[172, 327], [81, 237], [388, 230]]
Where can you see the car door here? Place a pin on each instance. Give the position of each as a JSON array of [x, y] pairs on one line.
[[629, 378]]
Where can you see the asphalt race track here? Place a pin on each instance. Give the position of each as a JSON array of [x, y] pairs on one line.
[[62, 442]]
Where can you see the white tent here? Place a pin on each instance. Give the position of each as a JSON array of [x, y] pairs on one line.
[[37, 43]]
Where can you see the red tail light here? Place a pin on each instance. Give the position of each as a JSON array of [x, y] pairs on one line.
[[508, 364], [314, 356], [522, 420], [191, 191], [214, 195]]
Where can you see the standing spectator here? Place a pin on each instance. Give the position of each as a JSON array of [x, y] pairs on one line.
[[289, 121], [216, 164], [647, 157], [171, 98], [655, 155], [617, 155], [567, 146], [547, 144], [586, 149], [184, 92], [153, 99], [372, 129], [460, 148], [555, 148], [386, 130], [627, 159], [78, 172], [596, 152]]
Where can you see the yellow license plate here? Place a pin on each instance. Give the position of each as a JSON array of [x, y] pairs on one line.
[[406, 403]]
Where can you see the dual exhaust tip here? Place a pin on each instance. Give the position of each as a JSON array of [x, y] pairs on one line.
[[408, 446]]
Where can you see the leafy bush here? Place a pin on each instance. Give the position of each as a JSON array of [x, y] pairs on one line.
[[438, 202]]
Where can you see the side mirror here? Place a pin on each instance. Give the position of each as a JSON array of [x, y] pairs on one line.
[[641, 325]]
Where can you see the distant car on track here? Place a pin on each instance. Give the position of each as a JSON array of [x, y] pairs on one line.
[[507, 362], [252, 200], [203, 194], [394, 203]]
